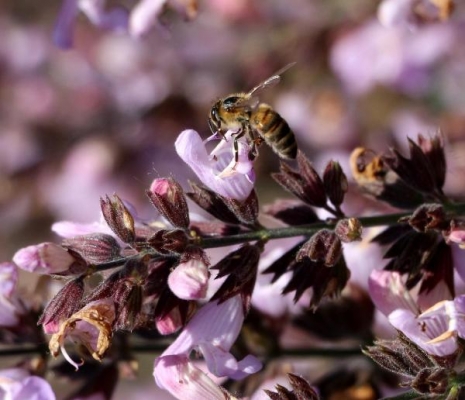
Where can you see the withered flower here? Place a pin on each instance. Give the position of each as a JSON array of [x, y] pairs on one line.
[[375, 178], [241, 267], [305, 183], [324, 246], [125, 288], [428, 217], [166, 241], [325, 282], [425, 169], [90, 326], [422, 256]]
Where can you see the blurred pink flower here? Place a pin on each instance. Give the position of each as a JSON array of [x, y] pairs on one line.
[[218, 170], [212, 331], [394, 57], [18, 384], [114, 19], [10, 308]]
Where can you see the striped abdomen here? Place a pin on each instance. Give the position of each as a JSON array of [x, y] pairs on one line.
[[274, 130]]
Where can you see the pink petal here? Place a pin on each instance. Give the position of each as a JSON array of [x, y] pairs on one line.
[[144, 15], [191, 149], [189, 280], [184, 381]]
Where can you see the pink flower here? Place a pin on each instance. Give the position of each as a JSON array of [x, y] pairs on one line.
[[10, 308], [17, 384], [218, 171], [430, 321], [189, 280], [185, 381], [457, 235], [114, 19], [372, 54], [212, 331], [44, 258]]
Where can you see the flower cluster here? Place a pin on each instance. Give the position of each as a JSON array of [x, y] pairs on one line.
[[233, 298]]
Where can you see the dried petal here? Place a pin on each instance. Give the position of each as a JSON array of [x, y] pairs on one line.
[[90, 326]]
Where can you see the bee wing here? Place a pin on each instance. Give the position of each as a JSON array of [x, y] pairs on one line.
[[250, 99], [271, 81]]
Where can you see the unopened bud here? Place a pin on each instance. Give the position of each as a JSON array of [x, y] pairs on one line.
[[349, 230], [95, 248], [335, 182], [168, 198], [48, 258], [189, 280], [118, 218]]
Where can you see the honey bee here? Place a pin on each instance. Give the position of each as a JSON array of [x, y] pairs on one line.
[[242, 112]]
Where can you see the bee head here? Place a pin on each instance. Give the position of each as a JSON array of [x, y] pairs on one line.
[[214, 119]]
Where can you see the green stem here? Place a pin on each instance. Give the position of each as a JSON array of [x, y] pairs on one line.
[[292, 231]]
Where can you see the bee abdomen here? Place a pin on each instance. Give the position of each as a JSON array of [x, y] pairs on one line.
[[275, 130]]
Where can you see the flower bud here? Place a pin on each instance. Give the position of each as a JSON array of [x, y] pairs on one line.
[[189, 280], [335, 182], [95, 248], [47, 258], [118, 218], [349, 230], [168, 198]]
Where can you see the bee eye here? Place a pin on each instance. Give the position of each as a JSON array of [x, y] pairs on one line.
[[230, 101]]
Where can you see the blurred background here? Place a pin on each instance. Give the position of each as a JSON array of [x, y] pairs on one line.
[[102, 117]]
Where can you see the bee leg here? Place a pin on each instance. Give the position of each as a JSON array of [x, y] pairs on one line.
[[236, 149]]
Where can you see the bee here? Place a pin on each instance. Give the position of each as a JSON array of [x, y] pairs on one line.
[[242, 112]]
